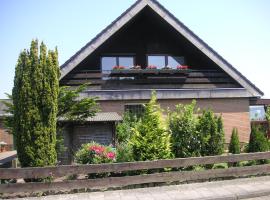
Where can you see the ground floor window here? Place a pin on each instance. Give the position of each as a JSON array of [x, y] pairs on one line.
[[257, 113], [135, 109]]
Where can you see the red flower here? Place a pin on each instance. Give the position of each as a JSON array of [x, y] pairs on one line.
[[182, 67], [97, 149], [119, 67], [111, 155], [151, 67]]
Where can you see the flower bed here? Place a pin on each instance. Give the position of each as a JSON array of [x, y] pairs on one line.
[[94, 153]]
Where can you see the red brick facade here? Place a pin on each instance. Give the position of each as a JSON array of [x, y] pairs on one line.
[[5, 137], [235, 112]]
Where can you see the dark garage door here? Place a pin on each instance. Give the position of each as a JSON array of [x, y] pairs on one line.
[[98, 132]]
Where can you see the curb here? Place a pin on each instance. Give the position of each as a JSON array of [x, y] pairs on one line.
[[247, 195]]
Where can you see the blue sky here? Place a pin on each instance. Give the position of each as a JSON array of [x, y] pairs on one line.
[[239, 30]]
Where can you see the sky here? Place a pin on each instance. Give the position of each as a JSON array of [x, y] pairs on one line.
[[239, 30]]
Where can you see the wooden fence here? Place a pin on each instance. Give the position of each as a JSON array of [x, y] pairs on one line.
[[56, 183]]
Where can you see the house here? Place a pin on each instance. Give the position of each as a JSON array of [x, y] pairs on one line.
[[6, 139], [257, 110], [147, 34], [144, 49]]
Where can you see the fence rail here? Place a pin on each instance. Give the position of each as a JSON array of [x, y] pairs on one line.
[[65, 170]]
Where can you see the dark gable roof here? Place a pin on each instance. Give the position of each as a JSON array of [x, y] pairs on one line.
[[173, 21]]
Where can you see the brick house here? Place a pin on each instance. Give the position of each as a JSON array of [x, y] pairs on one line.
[[6, 139], [147, 34]]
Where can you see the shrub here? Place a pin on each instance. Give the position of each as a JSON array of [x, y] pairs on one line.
[[234, 146], [151, 140], [210, 128], [258, 143], [183, 127], [124, 129], [124, 153], [123, 135], [94, 153]]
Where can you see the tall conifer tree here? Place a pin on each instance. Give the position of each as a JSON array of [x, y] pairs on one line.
[[151, 139], [35, 93]]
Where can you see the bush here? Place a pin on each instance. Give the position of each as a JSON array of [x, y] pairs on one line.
[[258, 142], [124, 129], [210, 128], [123, 135], [94, 153], [183, 127], [150, 139], [124, 153], [234, 146]]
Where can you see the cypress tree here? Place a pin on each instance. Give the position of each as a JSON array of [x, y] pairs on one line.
[[257, 141], [234, 146], [35, 94], [151, 139]]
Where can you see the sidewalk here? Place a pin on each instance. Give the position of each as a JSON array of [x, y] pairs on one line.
[[245, 188]]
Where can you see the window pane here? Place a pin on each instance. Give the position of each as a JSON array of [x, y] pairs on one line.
[[257, 112], [158, 61], [126, 61], [107, 63], [135, 110], [174, 61]]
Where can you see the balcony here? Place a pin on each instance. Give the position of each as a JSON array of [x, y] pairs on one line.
[[150, 78]]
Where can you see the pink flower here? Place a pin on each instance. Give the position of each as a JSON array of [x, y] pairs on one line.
[[97, 149], [111, 155]]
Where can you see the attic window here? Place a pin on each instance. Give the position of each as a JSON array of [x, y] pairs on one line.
[[108, 62], [161, 61]]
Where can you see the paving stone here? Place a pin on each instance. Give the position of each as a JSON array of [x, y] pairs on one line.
[[219, 190]]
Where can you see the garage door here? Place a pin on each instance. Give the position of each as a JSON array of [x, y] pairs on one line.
[[98, 132]]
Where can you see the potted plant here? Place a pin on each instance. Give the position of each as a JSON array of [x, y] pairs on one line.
[[151, 67], [167, 67], [136, 67], [182, 67], [119, 67]]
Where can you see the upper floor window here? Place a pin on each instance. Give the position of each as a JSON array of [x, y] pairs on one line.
[[108, 62], [161, 61]]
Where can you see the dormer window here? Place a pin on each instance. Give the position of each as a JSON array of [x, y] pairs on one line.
[[161, 61], [108, 62]]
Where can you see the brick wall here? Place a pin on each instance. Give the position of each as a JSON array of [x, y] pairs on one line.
[[235, 112], [5, 137]]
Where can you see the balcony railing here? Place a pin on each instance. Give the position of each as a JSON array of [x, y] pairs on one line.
[[134, 72], [147, 76]]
